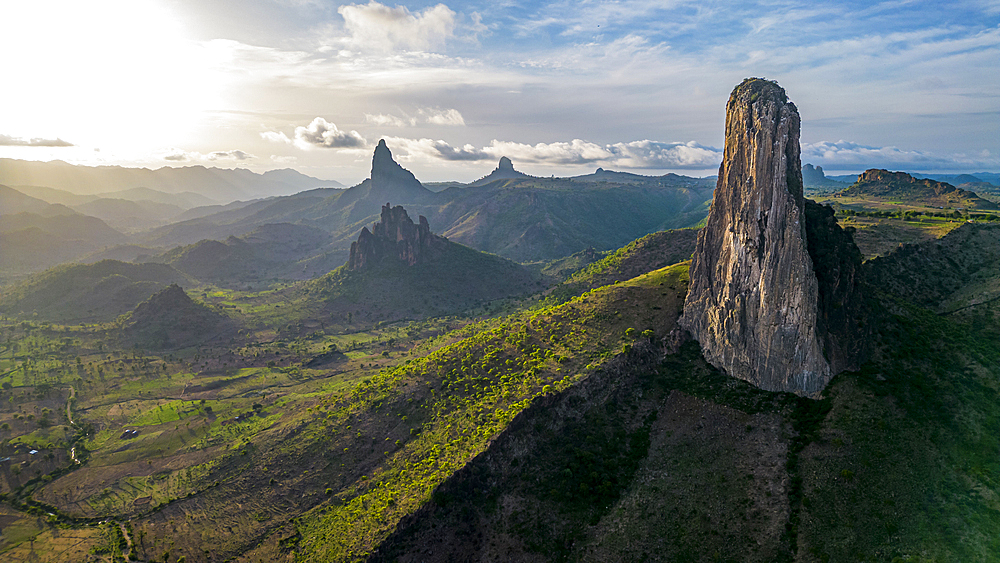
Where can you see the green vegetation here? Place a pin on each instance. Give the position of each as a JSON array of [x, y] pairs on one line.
[[646, 254], [551, 427]]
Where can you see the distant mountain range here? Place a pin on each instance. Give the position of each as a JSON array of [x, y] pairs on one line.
[[507, 213], [813, 176], [218, 185], [900, 186], [169, 218]]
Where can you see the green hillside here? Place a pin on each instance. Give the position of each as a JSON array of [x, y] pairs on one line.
[[522, 219], [170, 320], [454, 279], [640, 256], [578, 431], [902, 188], [89, 293]]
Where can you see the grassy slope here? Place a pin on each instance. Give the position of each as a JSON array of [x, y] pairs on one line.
[[672, 462], [445, 408], [456, 278], [651, 252], [90, 293], [898, 461]]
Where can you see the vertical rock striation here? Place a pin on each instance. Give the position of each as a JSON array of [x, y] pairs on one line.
[[754, 302], [394, 237]]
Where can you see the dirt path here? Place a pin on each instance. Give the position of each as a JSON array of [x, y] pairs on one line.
[[128, 541], [69, 415]]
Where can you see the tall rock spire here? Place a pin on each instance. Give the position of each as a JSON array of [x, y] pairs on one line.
[[754, 298], [387, 170]]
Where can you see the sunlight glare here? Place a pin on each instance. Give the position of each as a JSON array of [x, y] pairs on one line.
[[99, 73]]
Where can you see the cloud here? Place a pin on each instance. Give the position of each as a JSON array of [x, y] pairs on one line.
[[177, 155], [275, 137], [388, 120], [430, 149], [654, 154], [8, 141], [375, 25], [633, 155], [230, 155], [443, 117], [321, 133], [433, 116], [576, 151], [845, 155], [284, 159]]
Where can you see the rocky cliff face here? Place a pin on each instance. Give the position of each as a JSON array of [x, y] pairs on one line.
[[755, 302], [394, 237]]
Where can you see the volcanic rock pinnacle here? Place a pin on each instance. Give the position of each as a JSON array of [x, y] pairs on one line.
[[753, 302]]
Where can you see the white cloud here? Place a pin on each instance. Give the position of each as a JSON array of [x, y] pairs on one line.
[[377, 26], [8, 141], [275, 137], [442, 117], [633, 155], [178, 155], [284, 159], [576, 151], [853, 156], [388, 120], [230, 155], [655, 154], [430, 150], [321, 133], [432, 116]]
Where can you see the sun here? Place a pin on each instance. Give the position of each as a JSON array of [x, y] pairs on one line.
[[112, 73]]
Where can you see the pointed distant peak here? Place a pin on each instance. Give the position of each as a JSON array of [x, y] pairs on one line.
[[385, 169], [382, 155], [503, 171]]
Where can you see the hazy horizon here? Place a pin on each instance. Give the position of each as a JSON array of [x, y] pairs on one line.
[[560, 88]]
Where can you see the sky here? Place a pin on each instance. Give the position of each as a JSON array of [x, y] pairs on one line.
[[559, 87]]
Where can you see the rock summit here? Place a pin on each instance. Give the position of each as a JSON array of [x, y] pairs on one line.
[[756, 303], [394, 237]]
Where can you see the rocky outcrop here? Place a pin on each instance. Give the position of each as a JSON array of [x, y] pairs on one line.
[[814, 177], [755, 302], [503, 171], [900, 185], [394, 237]]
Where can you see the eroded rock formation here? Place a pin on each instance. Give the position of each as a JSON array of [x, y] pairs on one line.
[[755, 302], [394, 237]]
